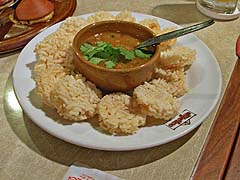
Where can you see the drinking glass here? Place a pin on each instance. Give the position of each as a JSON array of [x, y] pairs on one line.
[[219, 6]]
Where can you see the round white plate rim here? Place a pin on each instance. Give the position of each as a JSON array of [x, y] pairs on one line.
[[119, 148]]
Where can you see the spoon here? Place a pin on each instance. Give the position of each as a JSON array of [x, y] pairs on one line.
[[174, 34], [15, 3]]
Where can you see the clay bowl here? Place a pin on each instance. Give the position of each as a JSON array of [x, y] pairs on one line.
[[114, 79]]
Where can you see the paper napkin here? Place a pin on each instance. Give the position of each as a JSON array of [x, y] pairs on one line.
[[81, 173]]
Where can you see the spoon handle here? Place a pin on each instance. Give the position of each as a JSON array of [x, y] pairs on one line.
[[175, 34]]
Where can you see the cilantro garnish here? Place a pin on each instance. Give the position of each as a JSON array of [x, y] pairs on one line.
[[104, 52], [128, 55], [141, 54], [95, 60], [110, 64]]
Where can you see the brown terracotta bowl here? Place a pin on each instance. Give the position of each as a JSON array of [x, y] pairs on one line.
[[114, 79]]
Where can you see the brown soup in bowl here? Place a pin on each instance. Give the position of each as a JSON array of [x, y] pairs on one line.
[[116, 40], [125, 75]]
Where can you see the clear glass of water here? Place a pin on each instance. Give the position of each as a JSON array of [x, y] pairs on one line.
[[219, 6]]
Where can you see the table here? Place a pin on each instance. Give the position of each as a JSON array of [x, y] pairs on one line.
[[27, 152]]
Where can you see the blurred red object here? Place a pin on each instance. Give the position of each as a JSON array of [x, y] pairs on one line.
[[238, 47]]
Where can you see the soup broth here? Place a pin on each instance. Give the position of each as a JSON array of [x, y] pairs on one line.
[[117, 39]]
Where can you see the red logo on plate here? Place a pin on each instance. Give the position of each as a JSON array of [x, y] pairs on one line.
[[181, 119], [82, 177]]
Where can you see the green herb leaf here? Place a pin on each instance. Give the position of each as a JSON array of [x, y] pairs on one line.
[[129, 55], [103, 44], [113, 51], [104, 52], [87, 49], [141, 54], [95, 60], [113, 59], [110, 64], [86, 57]]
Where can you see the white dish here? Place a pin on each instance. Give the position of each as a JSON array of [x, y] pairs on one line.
[[204, 79]]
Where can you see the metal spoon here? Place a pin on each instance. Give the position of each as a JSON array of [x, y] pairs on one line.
[[174, 34], [14, 4]]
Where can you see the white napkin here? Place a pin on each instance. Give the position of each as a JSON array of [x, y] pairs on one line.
[[81, 173]]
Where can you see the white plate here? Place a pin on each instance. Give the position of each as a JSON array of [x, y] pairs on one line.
[[204, 79]]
